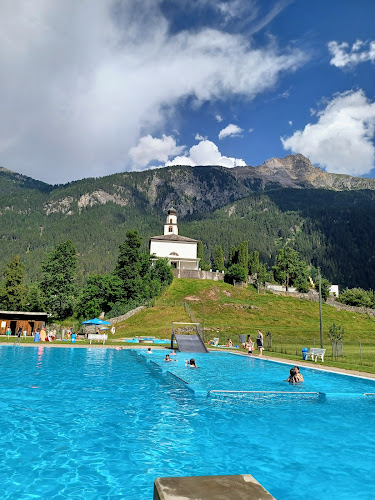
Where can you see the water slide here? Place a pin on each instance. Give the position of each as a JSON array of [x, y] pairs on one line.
[[190, 343]]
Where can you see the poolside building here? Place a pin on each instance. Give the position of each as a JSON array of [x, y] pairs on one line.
[[180, 251], [28, 321]]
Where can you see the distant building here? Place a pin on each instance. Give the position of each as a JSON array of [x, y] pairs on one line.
[[334, 290], [180, 251]]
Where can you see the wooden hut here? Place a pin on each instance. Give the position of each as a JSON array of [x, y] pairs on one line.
[[29, 321]]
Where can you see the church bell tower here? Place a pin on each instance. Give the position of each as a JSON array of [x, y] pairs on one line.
[[171, 227]]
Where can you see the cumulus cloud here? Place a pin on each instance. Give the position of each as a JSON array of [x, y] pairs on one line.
[[206, 153], [219, 118], [342, 138], [150, 148], [230, 130], [290, 122], [344, 55], [83, 81]]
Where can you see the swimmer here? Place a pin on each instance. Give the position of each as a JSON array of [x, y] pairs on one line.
[[294, 376], [173, 353], [149, 350], [299, 374], [191, 363], [167, 358]]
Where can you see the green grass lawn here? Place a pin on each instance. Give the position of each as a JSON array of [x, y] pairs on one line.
[[227, 312]]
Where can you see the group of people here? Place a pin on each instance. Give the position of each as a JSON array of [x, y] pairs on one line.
[[295, 376], [249, 344], [188, 362]]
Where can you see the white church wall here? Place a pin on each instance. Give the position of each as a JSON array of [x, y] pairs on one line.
[[165, 248]]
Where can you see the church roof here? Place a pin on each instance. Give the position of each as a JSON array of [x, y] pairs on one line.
[[173, 237]]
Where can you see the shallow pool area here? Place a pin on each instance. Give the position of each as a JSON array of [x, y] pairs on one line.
[[99, 423]]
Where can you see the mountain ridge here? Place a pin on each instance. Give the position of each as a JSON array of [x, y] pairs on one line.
[[190, 188], [283, 201]]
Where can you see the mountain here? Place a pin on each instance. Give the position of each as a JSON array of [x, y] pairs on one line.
[[327, 217]]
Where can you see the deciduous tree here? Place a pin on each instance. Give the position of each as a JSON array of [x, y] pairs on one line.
[[100, 294], [290, 270], [235, 273]]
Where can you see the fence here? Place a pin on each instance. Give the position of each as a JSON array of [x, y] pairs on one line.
[[194, 319], [346, 353]]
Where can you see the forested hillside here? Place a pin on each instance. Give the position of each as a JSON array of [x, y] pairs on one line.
[[327, 218], [333, 230]]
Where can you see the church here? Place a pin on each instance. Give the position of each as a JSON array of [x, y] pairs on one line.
[[180, 251]]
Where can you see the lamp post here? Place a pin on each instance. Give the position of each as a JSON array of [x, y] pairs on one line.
[[320, 310]]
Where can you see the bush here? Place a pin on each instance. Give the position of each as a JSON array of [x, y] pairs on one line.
[[235, 273], [357, 297]]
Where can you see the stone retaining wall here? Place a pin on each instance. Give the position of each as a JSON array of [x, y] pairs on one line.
[[127, 315], [198, 274]]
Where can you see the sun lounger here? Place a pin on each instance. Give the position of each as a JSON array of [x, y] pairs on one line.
[[316, 353]]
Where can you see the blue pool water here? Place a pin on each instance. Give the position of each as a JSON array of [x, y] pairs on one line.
[[101, 423]]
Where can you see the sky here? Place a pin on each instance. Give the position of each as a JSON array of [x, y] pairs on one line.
[[97, 87]]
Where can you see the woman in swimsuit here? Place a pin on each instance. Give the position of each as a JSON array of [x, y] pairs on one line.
[[260, 342]]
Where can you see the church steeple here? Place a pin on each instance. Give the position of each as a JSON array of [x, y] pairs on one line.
[[171, 227]]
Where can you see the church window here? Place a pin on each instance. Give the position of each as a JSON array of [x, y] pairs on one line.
[[170, 229], [170, 221]]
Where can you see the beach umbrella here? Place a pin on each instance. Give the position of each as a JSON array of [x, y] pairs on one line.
[[95, 321]]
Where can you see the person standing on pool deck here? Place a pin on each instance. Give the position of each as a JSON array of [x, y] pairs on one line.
[[260, 342]]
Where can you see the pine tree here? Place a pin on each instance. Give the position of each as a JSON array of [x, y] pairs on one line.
[[254, 262], [35, 299], [243, 255], [219, 259], [233, 256], [59, 280], [14, 298], [261, 276], [131, 266], [200, 255]]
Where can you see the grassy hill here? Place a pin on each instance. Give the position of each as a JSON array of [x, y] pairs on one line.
[[228, 311]]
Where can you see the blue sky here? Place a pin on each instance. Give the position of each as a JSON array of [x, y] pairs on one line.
[[97, 87]]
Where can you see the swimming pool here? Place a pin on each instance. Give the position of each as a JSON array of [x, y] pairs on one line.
[[99, 423]]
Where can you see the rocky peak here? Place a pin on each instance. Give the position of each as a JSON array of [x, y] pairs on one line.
[[294, 165]]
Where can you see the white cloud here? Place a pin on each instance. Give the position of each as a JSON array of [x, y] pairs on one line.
[[219, 118], [342, 138], [206, 153], [251, 130], [199, 137], [83, 81], [150, 148], [344, 55], [230, 130], [290, 122]]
